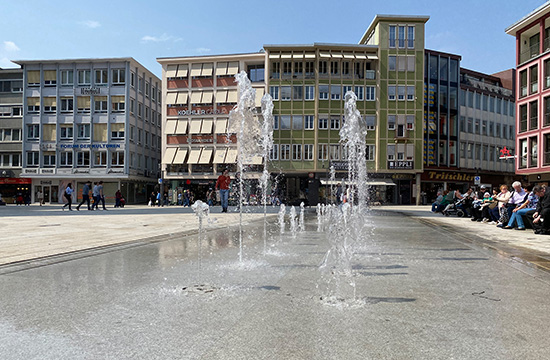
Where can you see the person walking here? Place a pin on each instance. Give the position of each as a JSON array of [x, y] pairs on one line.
[[222, 184], [40, 197], [85, 196], [68, 195], [95, 196], [101, 196], [118, 198]]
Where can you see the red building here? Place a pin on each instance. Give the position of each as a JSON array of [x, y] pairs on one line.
[[532, 34]]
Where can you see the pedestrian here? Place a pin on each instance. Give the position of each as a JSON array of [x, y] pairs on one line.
[[159, 199], [95, 196], [152, 198], [118, 198], [542, 213], [68, 194], [85, 195], [101, 195], [40, 197], [339, 194], [222, 184]]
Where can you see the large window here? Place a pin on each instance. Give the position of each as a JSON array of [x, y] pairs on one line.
[[119, 76], [117, 158], [100, 104], [371, 152], [84, 77], [309, 92], [359, 92], [33, 131], [391, 92], [546, 159], [309, 121], [285, 151], [533, 79], [334, 122], [335, 92], [67, 77], [297, 122], [275, 70], [33, 158], [334, 152], [274, 154], [523, 83], [392, 36], [323, 92], [323, 152], [66, 132], [533, 151], [323, 122], [67, 104], [83, 131], [533, 115], [370, 93], [297, 93], [274, 92], [66, 158], [286, 93], [410, 37], [256, 73], [83, 158], [296, 152], [308, 152], [49, 159], [100, 158]]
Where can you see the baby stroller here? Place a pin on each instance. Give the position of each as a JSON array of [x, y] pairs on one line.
[[454, 208]]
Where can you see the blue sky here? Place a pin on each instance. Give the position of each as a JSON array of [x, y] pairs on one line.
[[146, 30]]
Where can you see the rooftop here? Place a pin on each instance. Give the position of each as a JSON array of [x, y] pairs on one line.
[[527, 19]]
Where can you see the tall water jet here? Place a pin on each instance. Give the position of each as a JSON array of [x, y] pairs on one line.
[[202, 210], [293, 224], [281, 215], [332, 181], [243, 122], [301, 224], [318, 217], [266, 146]]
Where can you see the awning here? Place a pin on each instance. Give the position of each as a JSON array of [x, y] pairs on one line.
[[297, 55], [337, 55], [274, 56], [194, 156], [219, 156], [182, 70], [348, 56], [207, 126], [182, 98], [171, 71], [221, 96], [286, 56], [196, 69], [361, 56], [169, 155], [309, 56], [232, 96], [206, 155], [182, 127], [324, 54], [195, 126], [221, 126], [171, 98], [170, 127], [232, 68], [180, 156], [231, 156], [372, 57], [221, 68]]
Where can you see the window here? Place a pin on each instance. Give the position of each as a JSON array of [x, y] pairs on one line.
[[84, 77], [50, 77], [533, 115], [523, 83], [50, 105], [33, 158], [298, 69], [16, 111], [83, 104], [33, 105], [477, 127], [371, 152], [334, 122], [67, 77], [410, 122], [297, 93], [117, 131], [285, 93], [370, 93], [484, 127], [296, 152], [8, 135], [83, 131], [309, 122], [100, 158], [359, 92], [533, 151], [285, 122], [132, 106], [287, 68], [391, 92], [101, 77], [67, 105], [275, 122], [410, 93], [491, 128], [410, 37], [546, 111], [147, 89], [285, 152], [310, 92], [147, 113], [400, 130], [140, 110], [546, 158], [100, 104], [524, 149], [345, 90], [370, 122], [297, 122], [310, 69], [391, 122], [504, 131], [66, 132], [401, 36], [335, 92], [274, 92], [392, 62], [323, 152], [119, 76], [132, 79], [275, 70], [117, 158], [132, 132], [498, 134], [5, 111], [334, 152], [140, 136], [470, 125], [83, 158], [140, 84], [323, 92], [49, 159], [10, 160], [274, 154], [470, 151], [308, 152], [334, 67], [117, 104], [401, 93], [391, 152], [66, 158], [392, 36], [533, 79], [323, 122], [33, 131]]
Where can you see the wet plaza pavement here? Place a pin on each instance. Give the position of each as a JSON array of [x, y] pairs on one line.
[[421, 293]]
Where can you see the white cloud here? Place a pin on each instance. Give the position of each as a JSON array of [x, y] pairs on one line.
[[91, 24], [6, 63], [203, 50], [9, 46], [163, 38]]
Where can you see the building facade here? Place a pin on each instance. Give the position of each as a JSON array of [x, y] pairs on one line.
[[469, 119], [11, 115], [91, 119], [199, 93], [532, 35]]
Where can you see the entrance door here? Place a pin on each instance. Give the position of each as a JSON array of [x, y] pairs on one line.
[[54, 198], [46, 191]]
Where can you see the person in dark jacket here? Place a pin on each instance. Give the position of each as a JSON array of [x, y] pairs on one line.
[[541, 217]]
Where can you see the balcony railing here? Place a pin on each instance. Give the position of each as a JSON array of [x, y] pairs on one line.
[[529, 53]]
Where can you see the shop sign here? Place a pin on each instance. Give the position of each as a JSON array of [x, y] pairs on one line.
[[43, 182], [90, 91], [201, 140], [454, 176], [207, 111], [15, 181], [339, 165], [89, 146], [401, 165]]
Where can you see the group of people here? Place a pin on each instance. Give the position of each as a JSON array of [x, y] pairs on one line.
[[506, 208], [97, 196]]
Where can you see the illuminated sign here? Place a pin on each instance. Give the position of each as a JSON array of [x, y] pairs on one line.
[[401, 165], [209, 111]]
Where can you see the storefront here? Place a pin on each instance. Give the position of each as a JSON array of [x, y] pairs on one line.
[[11, 188]]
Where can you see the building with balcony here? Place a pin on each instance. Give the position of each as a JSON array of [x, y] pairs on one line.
[[198, 94], [532, 34], [91, 119], [11, 115], [469, 119]]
